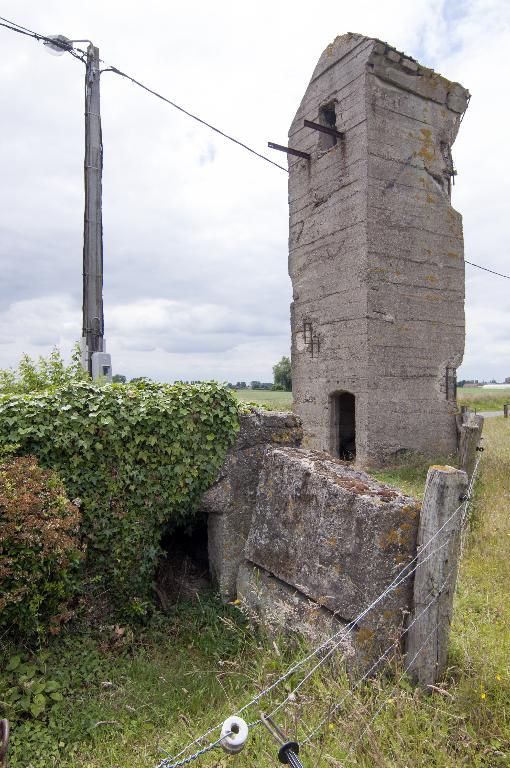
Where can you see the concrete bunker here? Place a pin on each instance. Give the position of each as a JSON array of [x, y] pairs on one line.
[[343, 425], [376, 251]]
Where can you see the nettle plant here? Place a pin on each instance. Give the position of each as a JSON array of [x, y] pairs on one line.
[[138, 457]]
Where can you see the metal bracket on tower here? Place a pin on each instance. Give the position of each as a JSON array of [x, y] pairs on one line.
[[324, 129], [288, 150]]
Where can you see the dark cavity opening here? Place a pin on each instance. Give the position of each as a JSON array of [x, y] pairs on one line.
[[343, 425], [327, 117], [183, 571]]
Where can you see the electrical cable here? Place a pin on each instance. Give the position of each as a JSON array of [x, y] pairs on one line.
[[194, 117], [13, 27], [30, 33], [486, 269]]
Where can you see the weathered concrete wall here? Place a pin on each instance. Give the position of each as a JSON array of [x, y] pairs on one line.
[[279, 608], [307, 541], [376, 252], [231, 500], [326, 536]]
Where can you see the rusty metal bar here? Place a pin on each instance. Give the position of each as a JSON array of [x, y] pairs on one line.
[[324, 129], [288, 150]]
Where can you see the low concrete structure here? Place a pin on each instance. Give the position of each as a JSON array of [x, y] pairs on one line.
[[306, 540], [376, 255], [230, 502], [325, 541]]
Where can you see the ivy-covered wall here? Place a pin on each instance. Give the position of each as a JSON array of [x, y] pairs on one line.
[[138, 457]]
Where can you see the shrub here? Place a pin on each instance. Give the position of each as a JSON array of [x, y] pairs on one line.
[[39, 548], [138, 456], [47, 373]]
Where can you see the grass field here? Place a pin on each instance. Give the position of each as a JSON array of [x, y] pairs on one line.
[[277, 401], [478, 399], [131, 695], [475, 398]]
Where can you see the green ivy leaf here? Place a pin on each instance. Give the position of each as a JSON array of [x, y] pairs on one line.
[[13, 663]]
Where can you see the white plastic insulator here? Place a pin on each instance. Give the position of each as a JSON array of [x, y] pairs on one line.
[[237, 731]]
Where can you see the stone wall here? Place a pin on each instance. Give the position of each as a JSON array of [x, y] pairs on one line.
[[306, 541], [376, 254], [230, 502], [325, 541]]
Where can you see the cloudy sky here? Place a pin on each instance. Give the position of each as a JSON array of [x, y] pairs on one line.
[[195, 228]]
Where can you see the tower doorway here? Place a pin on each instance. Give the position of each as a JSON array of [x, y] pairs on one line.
[[343, 425]]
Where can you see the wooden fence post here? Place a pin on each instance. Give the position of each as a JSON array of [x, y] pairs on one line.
[[505, 410], [436, 574], [470, 434]]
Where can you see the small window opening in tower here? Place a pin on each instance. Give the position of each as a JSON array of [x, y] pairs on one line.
[[327, 117], [343, 425]]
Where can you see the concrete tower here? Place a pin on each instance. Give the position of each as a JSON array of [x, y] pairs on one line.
[[376, 254]]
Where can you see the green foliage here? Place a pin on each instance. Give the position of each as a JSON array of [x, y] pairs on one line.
[[26, 690], [283, 374], [118, 378], [408, 473], [44, 696], [39, 549], [139, 457], [130, 698], [45, 374], [131, 682]]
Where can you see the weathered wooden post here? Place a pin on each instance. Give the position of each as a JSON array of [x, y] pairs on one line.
[[464, 412], [470, 434], [505, 410], [436, 573]]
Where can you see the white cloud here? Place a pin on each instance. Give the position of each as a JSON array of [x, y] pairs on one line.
[[195, 228]]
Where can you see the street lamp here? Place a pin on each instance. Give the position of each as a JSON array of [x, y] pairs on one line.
[[95, 360]]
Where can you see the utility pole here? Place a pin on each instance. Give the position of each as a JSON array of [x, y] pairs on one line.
[[95, 360]]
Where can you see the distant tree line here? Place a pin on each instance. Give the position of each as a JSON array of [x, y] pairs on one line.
[[282, 382]]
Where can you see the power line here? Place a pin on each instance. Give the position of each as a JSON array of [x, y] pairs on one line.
[[14, 27], [486, 269], [194, 117], [30, 33], [77, 53]]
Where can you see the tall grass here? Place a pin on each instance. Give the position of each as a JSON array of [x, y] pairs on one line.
[[162, 686], [478, 399]]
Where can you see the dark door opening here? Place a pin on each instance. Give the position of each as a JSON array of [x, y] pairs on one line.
[[183, 571], [343, 425]]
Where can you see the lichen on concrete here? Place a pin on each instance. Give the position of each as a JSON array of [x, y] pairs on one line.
[[376, 252]]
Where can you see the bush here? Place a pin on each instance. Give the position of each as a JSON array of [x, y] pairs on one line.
[[39, 549], [45, 374], [138, 456]]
